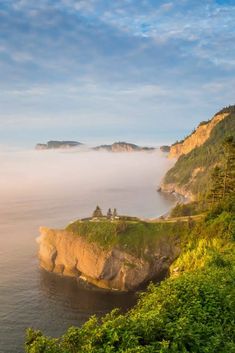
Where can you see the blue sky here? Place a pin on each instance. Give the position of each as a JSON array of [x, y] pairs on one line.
[[143, 71]]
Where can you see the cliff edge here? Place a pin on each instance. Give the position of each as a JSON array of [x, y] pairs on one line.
[[197, 138], [67, 253], [198, 155]]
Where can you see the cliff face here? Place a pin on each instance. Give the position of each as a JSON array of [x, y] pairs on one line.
[[63, 252], [197, 138], [191, 174]]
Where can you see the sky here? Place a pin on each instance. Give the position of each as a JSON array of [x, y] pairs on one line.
[[101, 71]]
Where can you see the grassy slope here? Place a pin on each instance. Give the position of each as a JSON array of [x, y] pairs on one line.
[[205, 156], [132, 237], [192, 311]]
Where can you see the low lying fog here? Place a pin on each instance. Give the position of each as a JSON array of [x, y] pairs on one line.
[[86, 176]]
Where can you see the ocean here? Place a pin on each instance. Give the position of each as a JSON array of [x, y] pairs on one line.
[[52, 188]]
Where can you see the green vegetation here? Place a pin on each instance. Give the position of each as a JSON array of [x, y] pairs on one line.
[[229, 109], [134, 237], [188, 209], [223, 177], [191, 311], [202, 159]]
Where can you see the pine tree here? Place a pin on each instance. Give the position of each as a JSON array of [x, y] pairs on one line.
[[229, 170], [216, 190], [115, 212], [97, 212], [223, 177], [109, 213]]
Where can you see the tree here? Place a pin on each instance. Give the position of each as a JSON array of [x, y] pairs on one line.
[[216, 190], [97, 212], [229, 170], [223, 176], [109, 213], [115, 212]]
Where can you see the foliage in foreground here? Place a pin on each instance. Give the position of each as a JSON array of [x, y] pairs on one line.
[[192, 311]]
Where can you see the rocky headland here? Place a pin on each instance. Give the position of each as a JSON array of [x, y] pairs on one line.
[[57, 145], [122, 147], [109, 262]]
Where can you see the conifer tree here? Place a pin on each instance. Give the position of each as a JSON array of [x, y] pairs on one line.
[[223, 176], [229, 169], [97, 212], [216, 190], [109, 213]]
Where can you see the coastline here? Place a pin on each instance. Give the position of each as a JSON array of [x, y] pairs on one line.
[[179, 198]]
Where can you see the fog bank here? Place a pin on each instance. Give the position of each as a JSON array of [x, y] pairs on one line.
[[84, 178]]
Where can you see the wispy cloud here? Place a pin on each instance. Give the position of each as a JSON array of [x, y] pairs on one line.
[[115, 63]]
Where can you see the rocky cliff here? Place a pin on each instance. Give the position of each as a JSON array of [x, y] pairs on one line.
[[191, 174], [197, 138], [65, 253]]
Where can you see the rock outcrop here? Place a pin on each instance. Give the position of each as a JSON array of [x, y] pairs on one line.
[[183, 191], [197, 138], [57, 144], [68, 254], [122, 147]]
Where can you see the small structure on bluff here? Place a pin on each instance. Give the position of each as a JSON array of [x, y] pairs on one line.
[[97, 213], [110, 215]]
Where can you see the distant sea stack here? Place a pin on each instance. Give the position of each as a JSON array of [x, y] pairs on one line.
[[57, 145], [122, 147]]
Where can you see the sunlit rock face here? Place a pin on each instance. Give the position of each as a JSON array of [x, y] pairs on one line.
[[67, 254], [197, 138]]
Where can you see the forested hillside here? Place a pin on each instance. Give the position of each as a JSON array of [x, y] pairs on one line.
[[191, 311], [192, 172]]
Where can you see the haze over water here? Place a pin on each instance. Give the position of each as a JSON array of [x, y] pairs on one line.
[[52, 188]]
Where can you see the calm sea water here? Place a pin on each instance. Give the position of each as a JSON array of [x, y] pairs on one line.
[[51, 189]]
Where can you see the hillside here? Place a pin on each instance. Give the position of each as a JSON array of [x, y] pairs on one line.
[[57, 144], [191, 173], [191, 311], [122, 147]]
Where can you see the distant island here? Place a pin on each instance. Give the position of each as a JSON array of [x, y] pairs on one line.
[[165, 148], [115, 147], [122, 147], [57, 144]]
